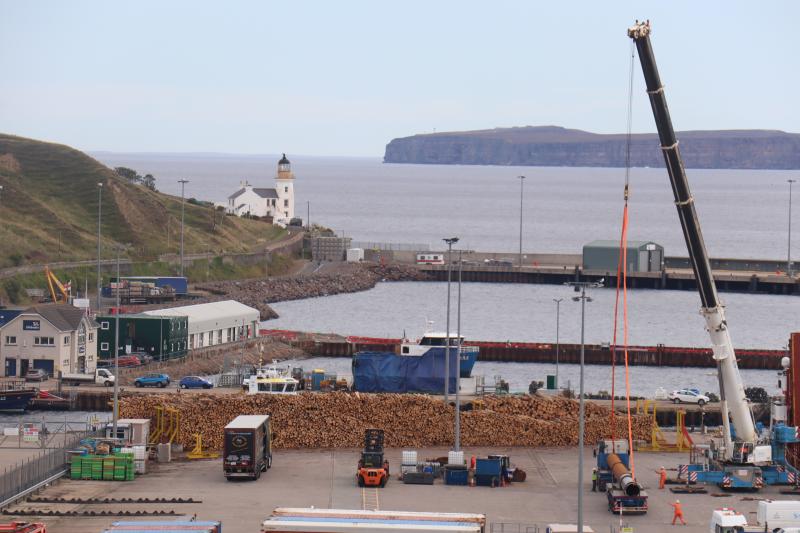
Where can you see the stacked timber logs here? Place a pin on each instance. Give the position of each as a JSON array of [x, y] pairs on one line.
[[338, 420]]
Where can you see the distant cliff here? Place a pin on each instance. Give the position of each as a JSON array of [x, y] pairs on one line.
[[556, 146]]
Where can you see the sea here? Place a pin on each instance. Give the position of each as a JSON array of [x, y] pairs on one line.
[[743, 213]]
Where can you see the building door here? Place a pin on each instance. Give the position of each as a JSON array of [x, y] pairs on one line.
[[45, 364], [655, 260], [23, 367], [11, 368], [81, 364]]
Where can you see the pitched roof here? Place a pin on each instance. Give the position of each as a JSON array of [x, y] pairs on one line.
[[65, 317], [237, 193], [263, 193], [266, 193]]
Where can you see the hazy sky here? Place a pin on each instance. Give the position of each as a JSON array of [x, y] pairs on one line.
[[345, 77]]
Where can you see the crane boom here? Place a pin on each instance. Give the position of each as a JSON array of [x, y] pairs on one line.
[[731, 387]]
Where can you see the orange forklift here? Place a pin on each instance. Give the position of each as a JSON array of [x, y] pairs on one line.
[[373, 470]]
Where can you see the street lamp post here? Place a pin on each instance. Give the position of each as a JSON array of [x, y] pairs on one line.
[[457, 446], [789, 247], [558, 320], [116, 355], [580, 286], [99, 214], [183, 182], [450, 242], [521, 182]]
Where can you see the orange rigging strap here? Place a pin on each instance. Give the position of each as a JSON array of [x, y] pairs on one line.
[[622, 282]]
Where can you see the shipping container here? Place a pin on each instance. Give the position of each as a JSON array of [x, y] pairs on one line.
[[178, 284], [247, 447]]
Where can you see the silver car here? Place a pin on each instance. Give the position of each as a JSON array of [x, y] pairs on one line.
[[688, 396]]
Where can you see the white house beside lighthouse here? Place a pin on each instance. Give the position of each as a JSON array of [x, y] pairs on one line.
[[277, 203]]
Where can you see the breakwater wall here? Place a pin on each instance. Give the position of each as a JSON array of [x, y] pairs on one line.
[[529, 352], [729, 281]]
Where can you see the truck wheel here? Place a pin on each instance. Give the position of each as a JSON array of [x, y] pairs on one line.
[[258, 473], [384, 480], [183, 386], [269, 462], [701, 403], [137, 383], [109, 384], [162, 384], [360, 481]]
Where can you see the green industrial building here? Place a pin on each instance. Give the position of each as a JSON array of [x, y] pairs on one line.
[[162, 337], [642, 256]]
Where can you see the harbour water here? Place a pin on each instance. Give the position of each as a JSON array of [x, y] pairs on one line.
[[527, 313], [743, 212]]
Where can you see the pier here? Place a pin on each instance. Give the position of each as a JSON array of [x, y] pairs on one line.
[[595, 354], [747, 281]]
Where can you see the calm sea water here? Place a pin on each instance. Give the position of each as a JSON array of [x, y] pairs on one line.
[[743, 213]]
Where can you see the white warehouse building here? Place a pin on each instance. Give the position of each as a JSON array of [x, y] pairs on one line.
[[216, 322]]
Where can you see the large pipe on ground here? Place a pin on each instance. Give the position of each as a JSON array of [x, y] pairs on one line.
[[622, 476]]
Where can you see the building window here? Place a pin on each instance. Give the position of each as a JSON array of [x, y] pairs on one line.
[[44, 341], [286, 189], [66, 341], [286, 203], [104, 325], [11, 340], [104, 346], [91, 337]]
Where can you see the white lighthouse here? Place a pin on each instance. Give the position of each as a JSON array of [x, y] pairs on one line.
[[284, 185]]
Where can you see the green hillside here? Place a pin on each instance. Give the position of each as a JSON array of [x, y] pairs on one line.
[[48, 211]]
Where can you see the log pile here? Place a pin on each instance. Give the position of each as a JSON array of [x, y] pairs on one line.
[[338, 420]]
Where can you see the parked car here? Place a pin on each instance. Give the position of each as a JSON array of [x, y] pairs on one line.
[[143, 357], [688, 396], [194, 382], [36, 374], [126, 361], [152, 380]]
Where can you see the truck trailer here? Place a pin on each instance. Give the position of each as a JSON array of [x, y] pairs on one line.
[[351, 521], [247, 447]]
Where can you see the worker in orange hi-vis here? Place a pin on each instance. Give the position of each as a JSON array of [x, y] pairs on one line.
[[678, 512], [662, 477]]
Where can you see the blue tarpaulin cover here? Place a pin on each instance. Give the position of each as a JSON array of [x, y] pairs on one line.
[[389, 372]]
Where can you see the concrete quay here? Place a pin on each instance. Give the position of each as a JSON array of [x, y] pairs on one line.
[[325, 479]]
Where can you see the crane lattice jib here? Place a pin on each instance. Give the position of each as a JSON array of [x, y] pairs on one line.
[[731, 387]]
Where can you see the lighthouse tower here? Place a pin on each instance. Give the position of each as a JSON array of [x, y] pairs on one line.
[[284, 186]]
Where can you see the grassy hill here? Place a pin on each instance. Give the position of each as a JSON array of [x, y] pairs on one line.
[[48, 211]]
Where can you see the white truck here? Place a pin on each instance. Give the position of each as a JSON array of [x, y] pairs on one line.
[[779, 515], [357, 521], [782, 516], [101, 376]]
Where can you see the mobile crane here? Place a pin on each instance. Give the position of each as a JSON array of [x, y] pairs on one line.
[[745, 459]]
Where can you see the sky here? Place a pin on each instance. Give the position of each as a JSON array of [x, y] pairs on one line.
[[343, 78]]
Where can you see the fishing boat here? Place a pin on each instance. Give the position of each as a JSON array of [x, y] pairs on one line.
[[416, 366], [271, 379], [15, 395], [469, 354]]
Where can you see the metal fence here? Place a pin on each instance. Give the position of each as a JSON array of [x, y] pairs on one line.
[[392, 246], [33, 472]]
